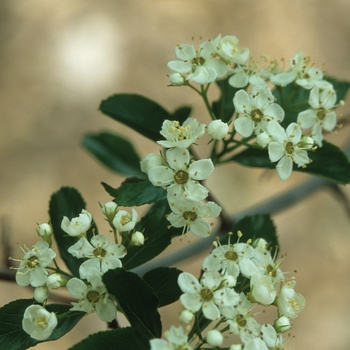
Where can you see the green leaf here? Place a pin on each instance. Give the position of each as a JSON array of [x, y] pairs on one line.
[[12, 336], [293, 99], [181, 114], [154, 226], [115, 339], [136, 299], [223, 108], [341, 87], [328, 162], [67, 201], [135, 191], [163, 281], [140, 113], [115, 152]]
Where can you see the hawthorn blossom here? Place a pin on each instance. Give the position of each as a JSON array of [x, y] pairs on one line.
[[181, 176], [258, 111], [38, 322], [31, 270], [176, 339], [191, 215], [271, 338], [321, 116], [182, 136], [101, 254], [77, 226], [92, 296], [288, 146], [289, 302], [210, 294], [201, 64], [227, 49], [124, 221], [262, 289], [231, 259]]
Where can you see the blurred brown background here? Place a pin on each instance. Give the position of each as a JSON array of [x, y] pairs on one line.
[[59, 59]]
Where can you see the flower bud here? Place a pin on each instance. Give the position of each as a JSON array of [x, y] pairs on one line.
[[186, 316], [109, 209], [41, 294], [214, 338], [229, 281], [260, 243], [282, 324], [45, 231], [236, 347], [55, 281], [176, 79], [137, 238], [217, 129], [263, 139], [150, 161]]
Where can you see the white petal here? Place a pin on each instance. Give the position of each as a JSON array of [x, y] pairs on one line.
[[284, 167], [276, 151], [242, 102], [244, 126]]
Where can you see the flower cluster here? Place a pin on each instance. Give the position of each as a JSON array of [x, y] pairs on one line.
[[97, 254], [180, 176], [257, 113], [237, 278]]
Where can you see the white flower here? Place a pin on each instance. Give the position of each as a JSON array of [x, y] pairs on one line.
[[287, 147], [289, 302], [182, 136], [191, 216], [101, 254], [202, 65], [92, 297], [227, 49], [77, 226], [181, 176], [124, 221], [258, 111], [214, 337], [231, 259], [31, 269], [176, 340], [262, 289], [38, 322], [208, 294], [322, 115], [217, 129], [241, 321]]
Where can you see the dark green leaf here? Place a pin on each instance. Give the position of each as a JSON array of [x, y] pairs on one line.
[[116, 339], [154, 226], [293, 99], [163, 281], [139, 113], [223, 108], [136, 299], [181, 114], [12, 336], [341, 87], [67, 201], [328, 162], [115, 152], [135, 191]]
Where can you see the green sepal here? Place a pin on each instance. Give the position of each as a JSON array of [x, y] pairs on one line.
[[67, 201], [224, 108], [328, 162], [163, 281], [12, 335], [140, 113], [115, 152], [136, 299], [135, 191], [115, 339], [154, 227]]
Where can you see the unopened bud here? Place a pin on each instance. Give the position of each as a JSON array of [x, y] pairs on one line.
[[41, 294], [186, 316], [282, 324], [137, 238], [214, 338]]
